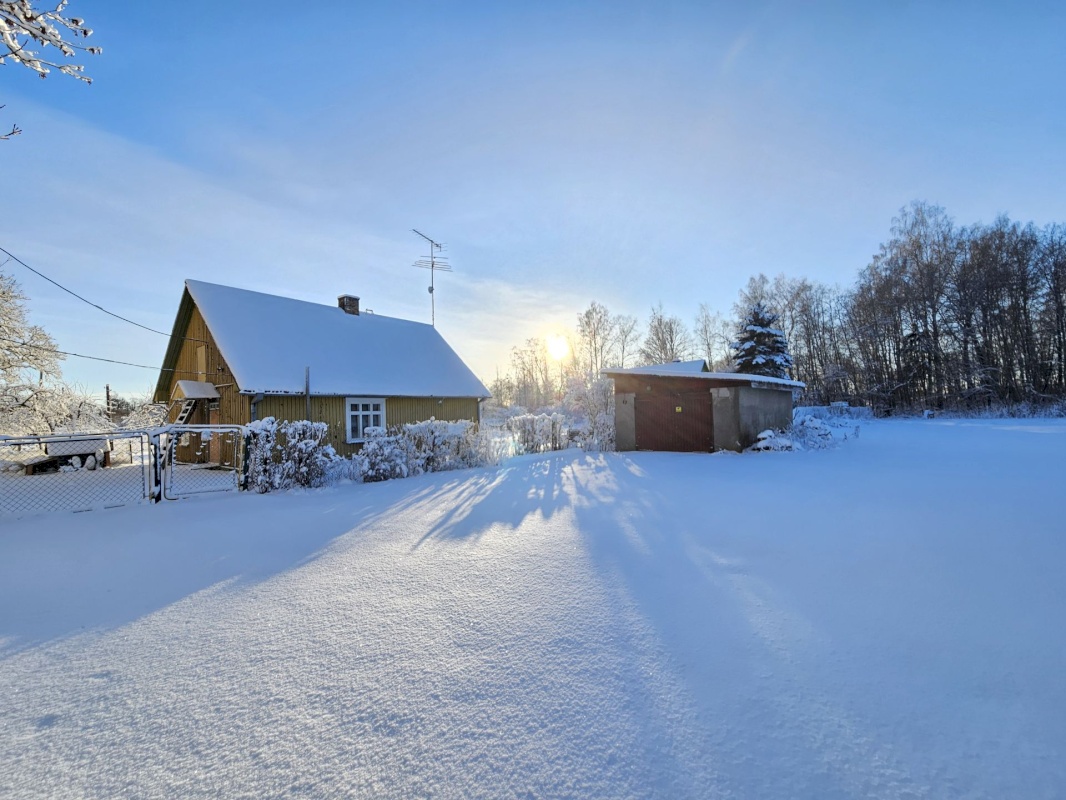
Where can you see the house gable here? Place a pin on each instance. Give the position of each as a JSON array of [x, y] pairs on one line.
[[192, 354]]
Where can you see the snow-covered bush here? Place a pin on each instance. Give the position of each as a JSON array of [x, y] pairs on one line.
[[492, 446], [771, 441], [344, 470], [807, 432], [384, 455], [537, 433], [812, 433], [593, 401], [435, 446], [304, 454], [281, 456]]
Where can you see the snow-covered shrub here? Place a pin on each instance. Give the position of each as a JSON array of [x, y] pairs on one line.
[[259, 454], [434, 446], [593, 401], [599, 435], [492, 446], [281, 456], [537, 433], [342, 470], [304, 454], [812, 433], [806, 433], [771, 441], [384, 455]]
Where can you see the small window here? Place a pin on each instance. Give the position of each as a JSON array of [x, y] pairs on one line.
[[363, 413]]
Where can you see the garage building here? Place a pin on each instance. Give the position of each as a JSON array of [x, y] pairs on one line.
[[682, 406]]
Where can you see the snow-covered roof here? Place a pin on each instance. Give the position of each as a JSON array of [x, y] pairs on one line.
[[267, 341], [197, 390], [685, 369], [670, 368]]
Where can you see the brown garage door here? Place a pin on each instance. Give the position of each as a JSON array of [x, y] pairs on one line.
[[680, 422]]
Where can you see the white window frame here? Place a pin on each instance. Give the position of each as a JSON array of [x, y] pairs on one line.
[[349, 434]]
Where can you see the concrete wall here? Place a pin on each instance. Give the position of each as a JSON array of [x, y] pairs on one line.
[[725, 403], [761, 409], [741, 413], [625, 423]]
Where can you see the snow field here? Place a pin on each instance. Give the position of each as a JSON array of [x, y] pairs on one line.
[[881, 620]]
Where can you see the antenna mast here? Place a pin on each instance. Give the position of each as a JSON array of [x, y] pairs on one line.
[[433, 263]]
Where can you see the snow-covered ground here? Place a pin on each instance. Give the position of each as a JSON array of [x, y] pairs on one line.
[[884, 620]]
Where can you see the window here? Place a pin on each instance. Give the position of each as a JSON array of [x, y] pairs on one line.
[[363, 413]]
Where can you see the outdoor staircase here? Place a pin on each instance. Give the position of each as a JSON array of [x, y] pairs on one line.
[[187, 407], [186, 412]]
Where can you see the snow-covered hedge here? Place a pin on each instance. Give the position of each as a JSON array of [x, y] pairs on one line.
[[281, 456], [430, 446], [435, 446], [305, 455], [288, 454], [383, 457]]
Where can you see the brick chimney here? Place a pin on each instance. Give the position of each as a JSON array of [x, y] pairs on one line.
[[350, 304]]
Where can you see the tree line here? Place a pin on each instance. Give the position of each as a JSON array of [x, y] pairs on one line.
[[943, 317]]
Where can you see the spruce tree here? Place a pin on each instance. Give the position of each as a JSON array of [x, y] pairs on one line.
[[761, 349]]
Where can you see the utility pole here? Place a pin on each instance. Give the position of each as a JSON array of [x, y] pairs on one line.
[[433, 263]]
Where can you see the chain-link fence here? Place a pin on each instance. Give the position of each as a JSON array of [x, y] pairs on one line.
[[200, 459], [75, 472]]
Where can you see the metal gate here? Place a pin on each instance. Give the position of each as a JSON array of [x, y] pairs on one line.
[[679, 422], [201, 459]]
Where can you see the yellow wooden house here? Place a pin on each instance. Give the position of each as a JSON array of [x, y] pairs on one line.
[[236, 356]]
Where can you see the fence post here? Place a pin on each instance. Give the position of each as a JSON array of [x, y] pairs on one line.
[[157, 474], [245, 440]]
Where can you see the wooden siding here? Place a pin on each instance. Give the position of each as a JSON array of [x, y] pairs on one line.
[[233, 407], [398, 410]]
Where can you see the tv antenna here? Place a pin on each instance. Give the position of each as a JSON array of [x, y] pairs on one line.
[[433, 263]]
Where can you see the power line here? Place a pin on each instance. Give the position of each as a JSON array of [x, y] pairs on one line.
[[75, 294], [91, 358]]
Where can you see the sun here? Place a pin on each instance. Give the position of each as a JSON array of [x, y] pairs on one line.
[[558, 347]]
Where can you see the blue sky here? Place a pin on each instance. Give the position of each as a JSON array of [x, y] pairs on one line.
[[565, 152]]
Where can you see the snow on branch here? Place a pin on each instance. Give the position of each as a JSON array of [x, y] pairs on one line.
[[23, 27]]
